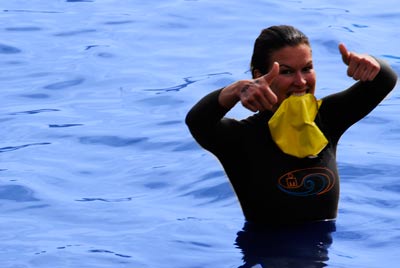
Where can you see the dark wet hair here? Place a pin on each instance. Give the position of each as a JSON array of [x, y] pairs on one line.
[[272, 39]]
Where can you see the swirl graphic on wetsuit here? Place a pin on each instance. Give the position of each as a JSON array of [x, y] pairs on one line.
[[307, 182]]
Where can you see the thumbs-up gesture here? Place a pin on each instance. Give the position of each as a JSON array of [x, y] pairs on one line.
[[256, 95], [360, 66]]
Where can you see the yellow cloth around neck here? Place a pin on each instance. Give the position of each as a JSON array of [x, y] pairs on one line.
[[293, 128]]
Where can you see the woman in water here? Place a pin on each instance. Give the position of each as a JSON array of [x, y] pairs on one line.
[[281, 161]]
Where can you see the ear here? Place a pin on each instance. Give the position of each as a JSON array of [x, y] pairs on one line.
[[257, 73]]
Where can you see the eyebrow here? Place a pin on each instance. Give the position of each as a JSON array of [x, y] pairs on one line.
[[287, 66]]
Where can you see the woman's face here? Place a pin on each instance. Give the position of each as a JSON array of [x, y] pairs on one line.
[[296, 72]]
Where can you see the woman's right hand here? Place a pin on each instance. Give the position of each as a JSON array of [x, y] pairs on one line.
[[255, 94]]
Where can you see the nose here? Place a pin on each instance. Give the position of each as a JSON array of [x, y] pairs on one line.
[[299, 79]]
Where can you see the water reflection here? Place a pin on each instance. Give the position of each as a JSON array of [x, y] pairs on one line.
[[6, 49], [17, 193], [303, 246]]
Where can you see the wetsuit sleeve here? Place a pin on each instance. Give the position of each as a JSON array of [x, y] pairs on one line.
[[343, 109], [207, 124]]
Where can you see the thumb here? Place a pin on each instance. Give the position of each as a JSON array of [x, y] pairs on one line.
[[345, 53], [274, 72]]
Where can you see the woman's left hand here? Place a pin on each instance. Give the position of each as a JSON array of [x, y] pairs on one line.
[[361, 67]]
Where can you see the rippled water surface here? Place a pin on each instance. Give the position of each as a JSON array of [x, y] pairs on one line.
[[97, 168]]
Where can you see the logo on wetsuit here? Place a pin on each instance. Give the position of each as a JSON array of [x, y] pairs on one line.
[[307, 182]]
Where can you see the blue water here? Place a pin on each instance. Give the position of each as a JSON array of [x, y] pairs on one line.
[[97, 168]]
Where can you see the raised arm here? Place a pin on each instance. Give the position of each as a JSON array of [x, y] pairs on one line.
[[375, 79], [205, 119]]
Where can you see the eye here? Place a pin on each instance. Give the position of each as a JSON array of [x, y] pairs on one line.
[[285, 72], [308, 69]]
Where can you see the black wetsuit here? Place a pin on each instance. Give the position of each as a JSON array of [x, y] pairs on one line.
[[273, 187]]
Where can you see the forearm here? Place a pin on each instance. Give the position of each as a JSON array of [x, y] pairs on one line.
[[216, 104], [344, 108]]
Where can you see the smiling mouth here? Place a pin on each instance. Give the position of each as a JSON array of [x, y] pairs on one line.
[[298, 93]]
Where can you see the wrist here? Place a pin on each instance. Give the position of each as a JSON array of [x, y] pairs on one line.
[[230, 95]]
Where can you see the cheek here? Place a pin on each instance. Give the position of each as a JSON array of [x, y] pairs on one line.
[[311, 84], [280, 86], [311, 79]]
